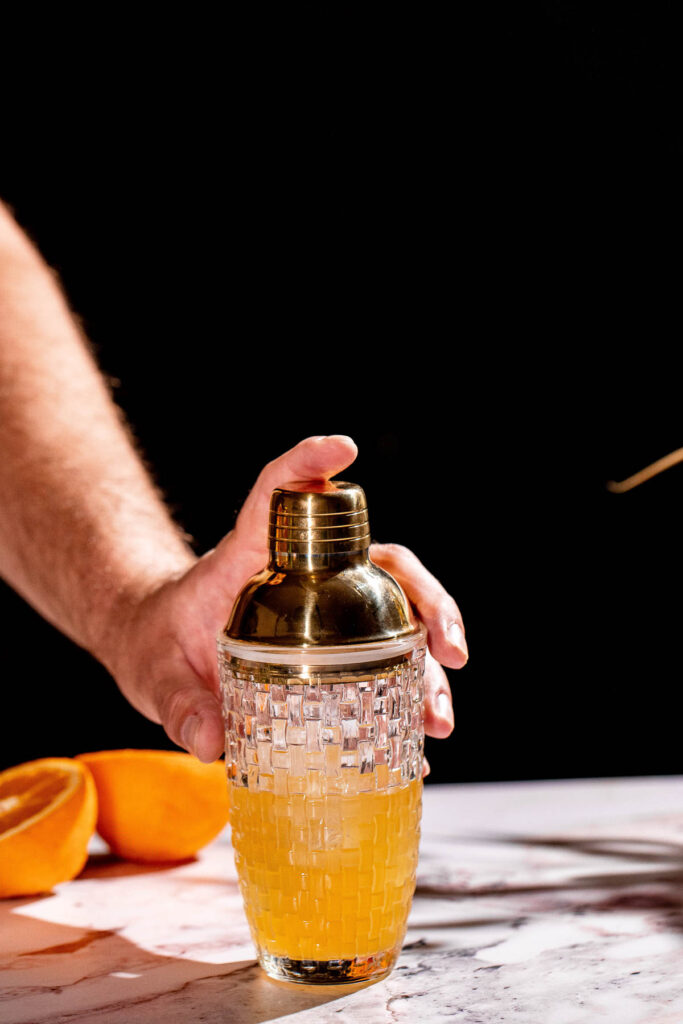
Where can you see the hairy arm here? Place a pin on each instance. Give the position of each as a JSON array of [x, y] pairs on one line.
[[87, 540], [83, 533]]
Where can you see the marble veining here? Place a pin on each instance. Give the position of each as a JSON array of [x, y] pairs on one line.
[[536, 903]]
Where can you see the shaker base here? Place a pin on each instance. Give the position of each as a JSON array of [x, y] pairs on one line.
[[329, 972]]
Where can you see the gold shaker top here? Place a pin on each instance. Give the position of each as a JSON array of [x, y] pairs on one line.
[[318, 518], [319, 587]]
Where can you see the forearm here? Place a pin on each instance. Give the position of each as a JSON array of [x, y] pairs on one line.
[[83, 533]]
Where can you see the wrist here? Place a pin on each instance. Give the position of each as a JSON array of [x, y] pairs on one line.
[[117, 623]]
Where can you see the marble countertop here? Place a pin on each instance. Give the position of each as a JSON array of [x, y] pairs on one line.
[[536, 903]]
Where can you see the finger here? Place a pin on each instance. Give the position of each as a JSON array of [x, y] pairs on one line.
[[192, 718], [217, 577], [426, 769], [434, 605], [314, 458], [438, 701]]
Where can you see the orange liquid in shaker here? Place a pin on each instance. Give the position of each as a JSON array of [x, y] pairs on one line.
[[327, 877]]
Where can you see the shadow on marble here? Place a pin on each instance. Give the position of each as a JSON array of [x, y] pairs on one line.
[[56, 973], [657, 888], [465, 922], [673, 876], [269, 999], [628, 847], [107, 865]]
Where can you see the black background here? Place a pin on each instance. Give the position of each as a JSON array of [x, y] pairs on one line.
[[457, 241]]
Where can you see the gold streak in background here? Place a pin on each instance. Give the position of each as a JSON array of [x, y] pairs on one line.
[[645, 474]]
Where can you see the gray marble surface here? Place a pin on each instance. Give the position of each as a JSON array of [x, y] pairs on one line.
[[537, 903]]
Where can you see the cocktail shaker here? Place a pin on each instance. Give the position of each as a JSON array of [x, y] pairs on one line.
[[322, 672]]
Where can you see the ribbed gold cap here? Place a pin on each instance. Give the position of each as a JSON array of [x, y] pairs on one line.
[[318, 518], [319, 588]]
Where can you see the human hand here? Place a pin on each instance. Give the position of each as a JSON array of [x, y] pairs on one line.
[[164, 659]]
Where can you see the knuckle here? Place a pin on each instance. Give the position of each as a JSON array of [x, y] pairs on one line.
[[174, 704], [435, 680], [440, 607], [449, 608]]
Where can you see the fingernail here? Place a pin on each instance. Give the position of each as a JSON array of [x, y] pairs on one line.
[[188, 732], [444, 708], [457, 638], [426, 769]]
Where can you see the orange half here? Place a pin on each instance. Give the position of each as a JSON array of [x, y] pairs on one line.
[[48, 810], [158, 805]]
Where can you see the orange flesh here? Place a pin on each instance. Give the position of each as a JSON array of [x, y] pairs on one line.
[[23, 797]]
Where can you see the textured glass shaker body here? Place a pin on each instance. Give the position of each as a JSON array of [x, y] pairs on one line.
[[324, 748]]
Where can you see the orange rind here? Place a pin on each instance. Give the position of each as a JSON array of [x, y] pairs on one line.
[[157, 805]]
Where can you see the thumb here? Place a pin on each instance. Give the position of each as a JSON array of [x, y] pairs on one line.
[[192, 717], [218, 576], [314, 458]]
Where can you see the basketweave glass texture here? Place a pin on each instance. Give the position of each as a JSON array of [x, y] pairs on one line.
[[325, 773]]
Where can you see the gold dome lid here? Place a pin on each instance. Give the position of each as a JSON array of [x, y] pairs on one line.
[[320, 588]]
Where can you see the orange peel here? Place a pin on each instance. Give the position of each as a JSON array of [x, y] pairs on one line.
[[157, 805]]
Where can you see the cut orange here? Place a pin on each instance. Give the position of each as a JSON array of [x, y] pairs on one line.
[[157, 805], [47, 816]]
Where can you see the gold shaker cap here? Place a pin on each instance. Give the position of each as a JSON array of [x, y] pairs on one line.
[[318, 518], [320, 588]]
